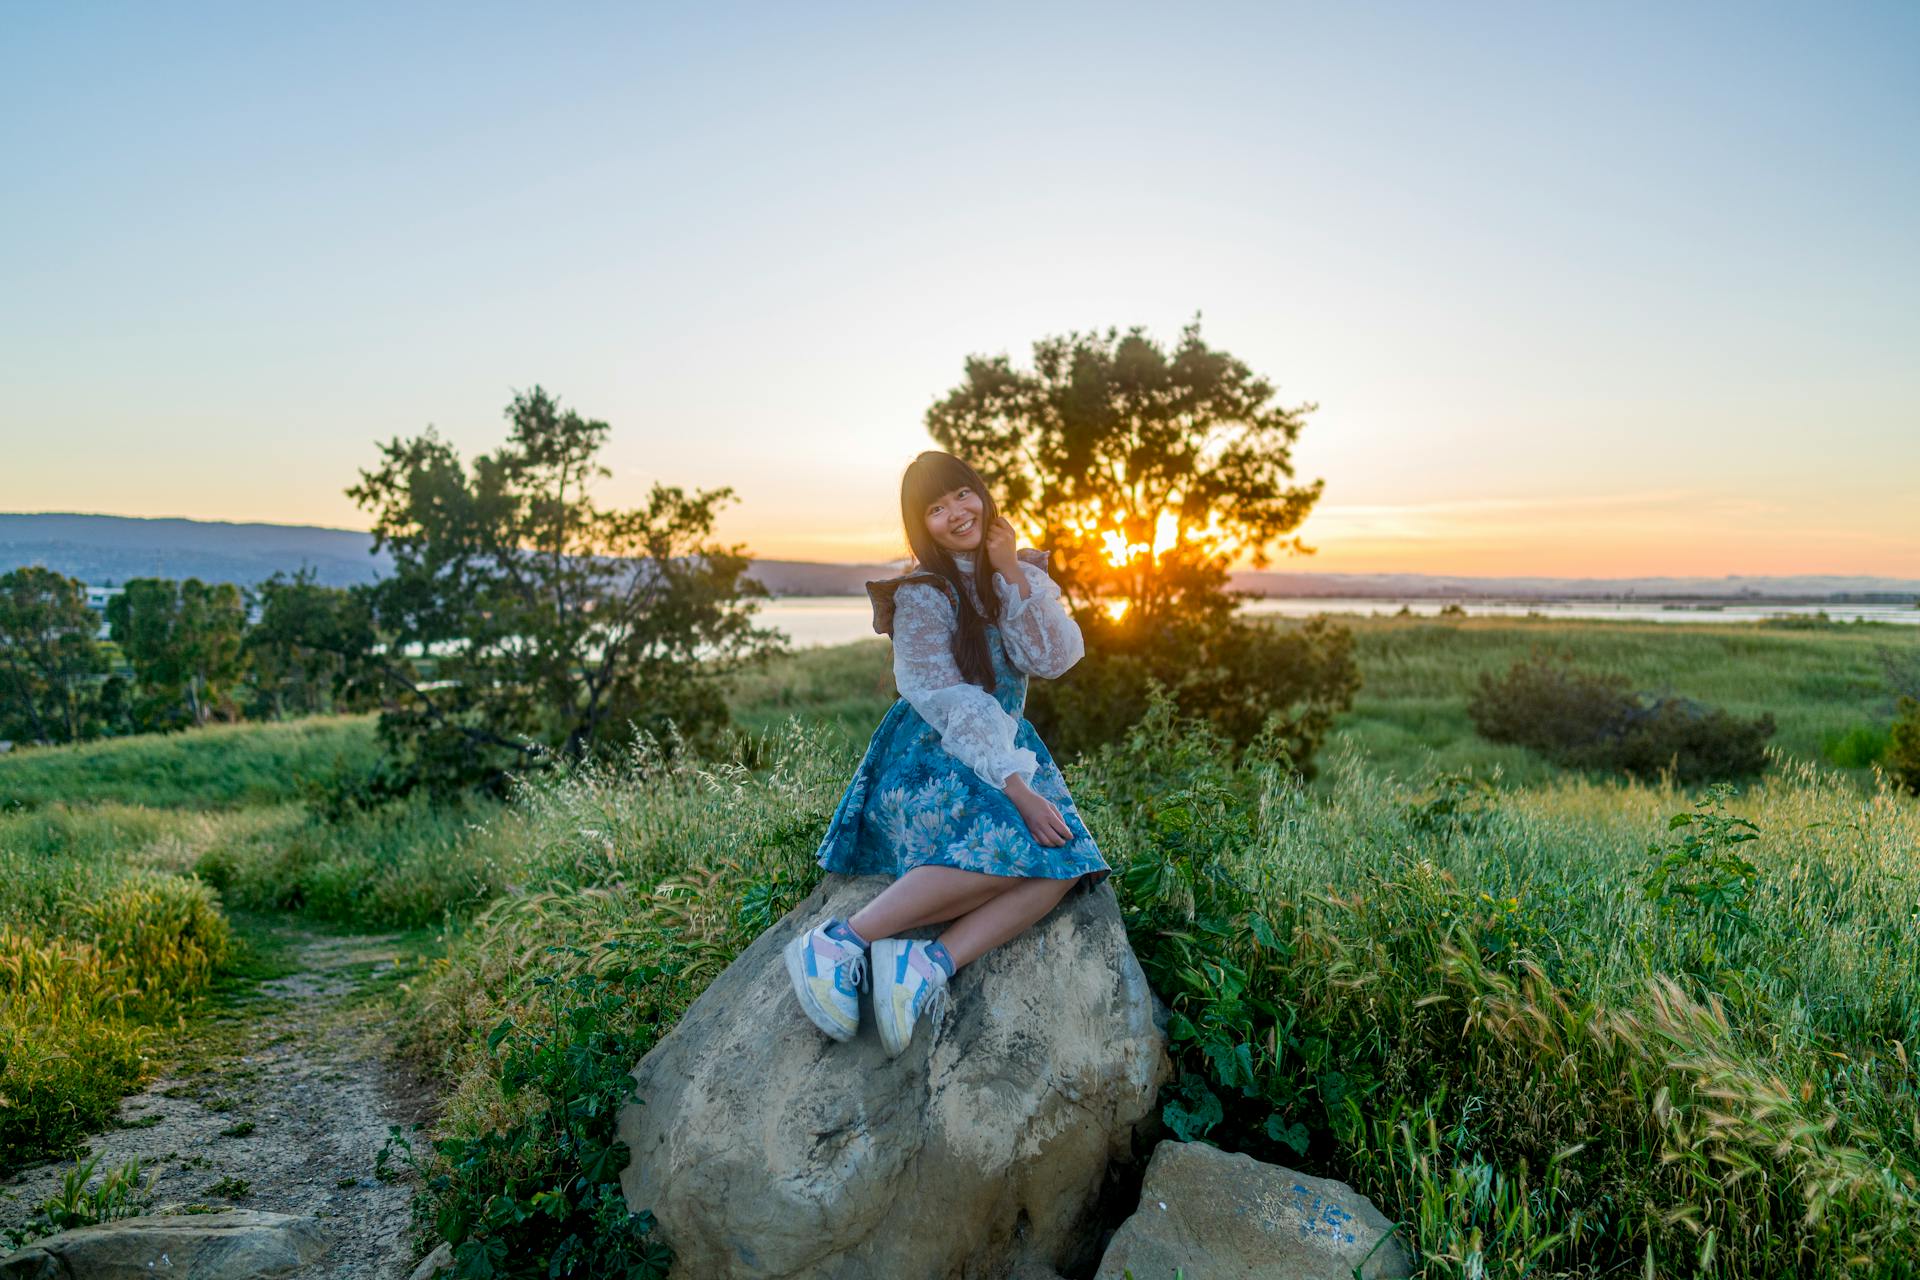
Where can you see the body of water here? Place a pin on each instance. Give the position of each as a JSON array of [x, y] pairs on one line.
[[818, 620]]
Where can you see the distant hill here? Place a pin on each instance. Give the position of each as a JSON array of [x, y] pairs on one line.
[[103, 550], [106, 550]]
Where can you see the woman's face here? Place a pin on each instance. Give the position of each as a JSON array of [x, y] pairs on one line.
[[953, 520]]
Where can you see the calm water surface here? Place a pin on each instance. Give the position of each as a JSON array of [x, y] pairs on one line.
[[818, 620]]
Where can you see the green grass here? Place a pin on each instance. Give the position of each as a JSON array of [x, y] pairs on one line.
[[846, 688], [219, 767], [1469, 1003], [103, 944], [1475, 1011], [1411, 714]]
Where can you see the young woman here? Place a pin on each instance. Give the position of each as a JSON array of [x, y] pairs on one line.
[[956, 795]]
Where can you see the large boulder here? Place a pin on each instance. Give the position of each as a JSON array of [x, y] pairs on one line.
[[243, 1244], [1206, 1213], [764, 1149]]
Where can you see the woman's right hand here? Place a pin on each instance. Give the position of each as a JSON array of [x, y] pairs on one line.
[[1043, 820]]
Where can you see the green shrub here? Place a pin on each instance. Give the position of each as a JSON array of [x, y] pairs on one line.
[[1590, 720], [1903, 746], [1281, 683], [1553, 707], [539, 1194], [1699, 743], [1857, 748]]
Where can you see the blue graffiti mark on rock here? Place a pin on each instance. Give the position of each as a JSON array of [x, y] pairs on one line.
[[1323, 1217]]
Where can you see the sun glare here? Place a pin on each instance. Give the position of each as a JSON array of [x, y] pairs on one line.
[[1168, 533]]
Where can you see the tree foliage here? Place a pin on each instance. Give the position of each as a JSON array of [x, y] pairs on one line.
[[311, 650], [1903, 745], [549, 623], [183, 640], [1147, 473], [50, 658], [1144, 471]]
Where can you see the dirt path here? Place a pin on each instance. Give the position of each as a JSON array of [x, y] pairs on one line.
[[281, 1102]]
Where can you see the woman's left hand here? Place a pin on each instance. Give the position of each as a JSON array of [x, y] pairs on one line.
[[1001, 542]]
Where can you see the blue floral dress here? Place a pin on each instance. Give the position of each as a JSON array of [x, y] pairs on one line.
[[924, 793]]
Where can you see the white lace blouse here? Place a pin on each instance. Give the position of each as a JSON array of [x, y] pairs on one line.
[[1041, 639]]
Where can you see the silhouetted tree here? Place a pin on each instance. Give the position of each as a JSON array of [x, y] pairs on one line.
[[550, 623], [1146, 473]]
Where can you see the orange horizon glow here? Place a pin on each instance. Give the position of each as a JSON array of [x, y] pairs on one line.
[[1597, 536]]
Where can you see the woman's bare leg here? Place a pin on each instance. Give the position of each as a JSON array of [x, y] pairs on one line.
[[927, 895], [1004, 916]]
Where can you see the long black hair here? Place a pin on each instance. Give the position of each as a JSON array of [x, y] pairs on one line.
[[929, 477]]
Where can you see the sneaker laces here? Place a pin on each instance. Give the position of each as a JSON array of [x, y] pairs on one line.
[[939, 1011], [857, 966]]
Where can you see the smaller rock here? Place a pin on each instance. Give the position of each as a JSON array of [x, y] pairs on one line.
[[433, 1264], [244, 1244], [1206, 1213]]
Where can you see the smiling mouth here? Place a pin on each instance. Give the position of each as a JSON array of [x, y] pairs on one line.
[[960, 531]]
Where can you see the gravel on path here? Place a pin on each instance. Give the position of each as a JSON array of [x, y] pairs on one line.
[[282, 1105]]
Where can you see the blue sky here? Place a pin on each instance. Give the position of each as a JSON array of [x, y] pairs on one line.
[[1577, 288]]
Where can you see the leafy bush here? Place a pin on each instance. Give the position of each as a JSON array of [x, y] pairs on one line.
[[1903, 746], [1699, 743], [1282, 684], [1857, 748], [1590, 720], [1702, 878], [539, 1194]]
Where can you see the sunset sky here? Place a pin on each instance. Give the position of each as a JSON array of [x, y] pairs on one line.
[[1579, 289]]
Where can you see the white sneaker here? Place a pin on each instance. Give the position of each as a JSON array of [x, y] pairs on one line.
[[907, 982], [826, 965]]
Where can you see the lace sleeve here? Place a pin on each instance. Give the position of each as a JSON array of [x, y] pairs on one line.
[[974, 728], [1042, 638]]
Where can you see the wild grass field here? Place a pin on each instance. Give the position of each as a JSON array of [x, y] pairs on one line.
[[1547, 1029], [1410, 718]]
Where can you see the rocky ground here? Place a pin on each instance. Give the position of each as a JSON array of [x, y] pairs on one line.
[[281, 1102]]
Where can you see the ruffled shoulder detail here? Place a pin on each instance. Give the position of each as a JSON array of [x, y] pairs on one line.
[[880, 591]]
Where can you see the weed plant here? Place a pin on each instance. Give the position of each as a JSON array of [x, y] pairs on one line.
[[81, 1200]]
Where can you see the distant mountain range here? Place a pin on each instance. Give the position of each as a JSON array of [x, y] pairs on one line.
[[105, 550]]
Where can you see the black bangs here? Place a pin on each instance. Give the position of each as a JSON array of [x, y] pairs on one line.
[[930, 476]]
